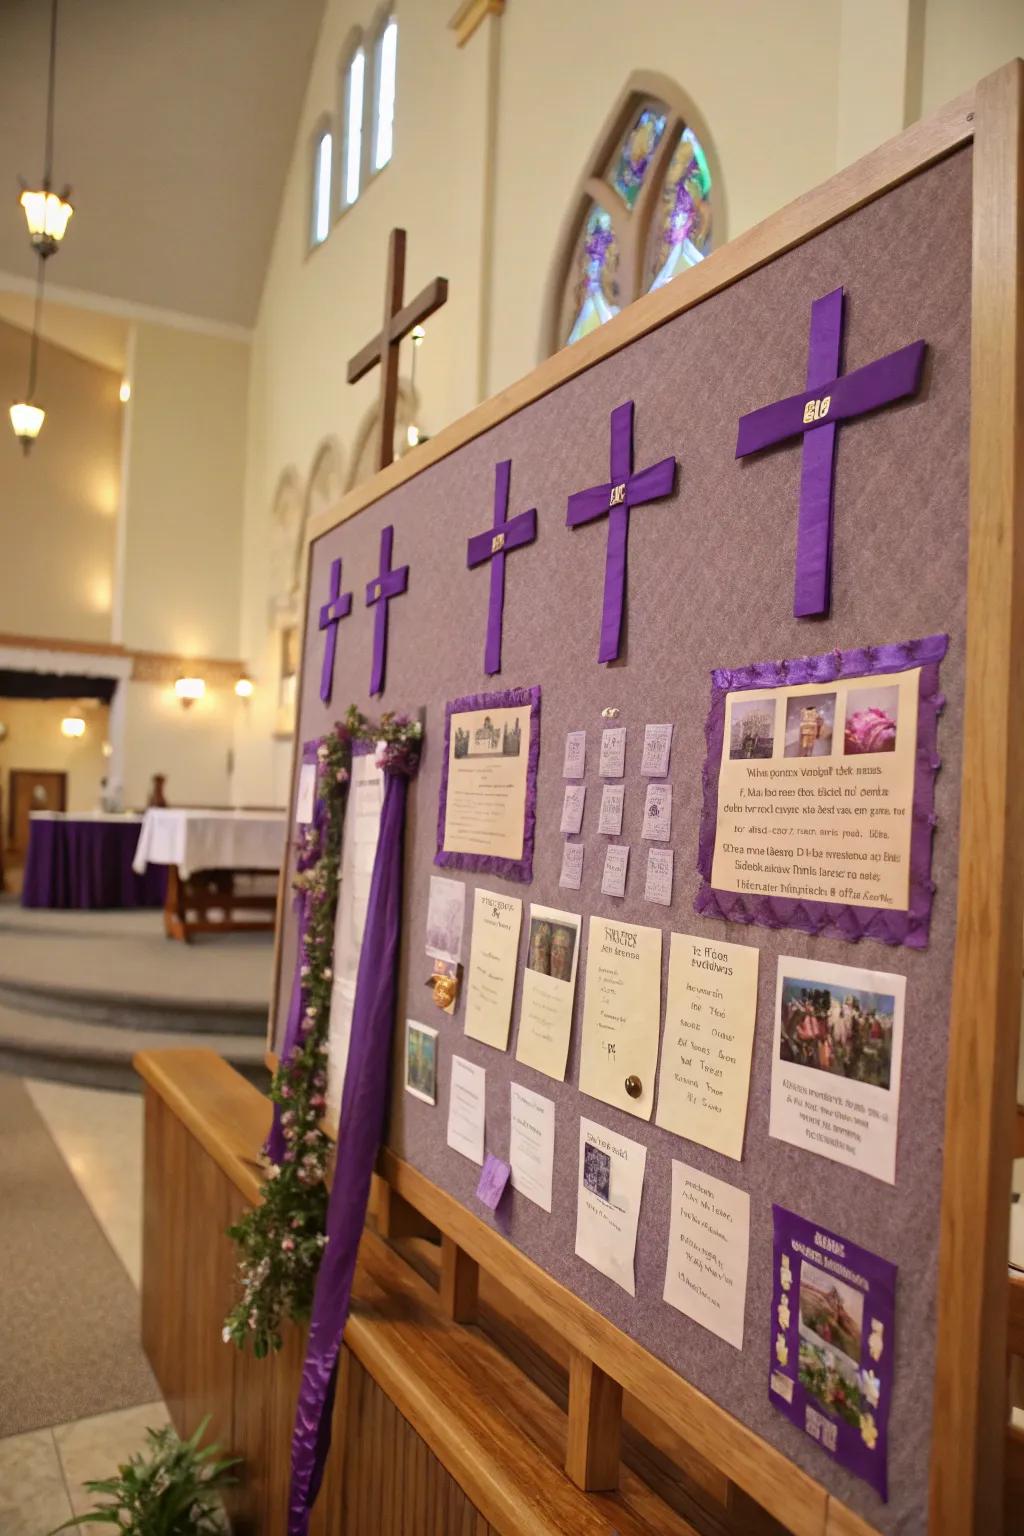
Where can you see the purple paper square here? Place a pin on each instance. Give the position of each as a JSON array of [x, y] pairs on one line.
[[494, 1177]]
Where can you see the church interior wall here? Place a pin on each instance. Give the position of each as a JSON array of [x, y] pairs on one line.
[[191, 746], [33, 741], [60, 506]]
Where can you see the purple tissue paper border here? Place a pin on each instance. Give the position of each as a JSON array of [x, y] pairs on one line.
[[486, 863], [837, 919]]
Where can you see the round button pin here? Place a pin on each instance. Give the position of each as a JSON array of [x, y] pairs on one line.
[[634, 1087]]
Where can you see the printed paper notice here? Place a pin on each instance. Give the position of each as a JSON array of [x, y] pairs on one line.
[[358, 851], [709, 1035], [306, 797], [621, 1015], [532, 1145], [492, 967], [816, 790], [572, 808], [836, 1063], [657, 749], [446, 913], [708, 1247], [610, 820], [571, 877], [485, 807], [549, 986], [610, 1188], [613, 752], [466, 1105], [575, 759]]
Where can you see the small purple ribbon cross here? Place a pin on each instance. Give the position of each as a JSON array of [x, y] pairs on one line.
[[337, 607], [493, 545], [385, 585]]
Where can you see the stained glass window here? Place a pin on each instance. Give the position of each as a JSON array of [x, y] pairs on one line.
[[595, 272], [321, 188], [387, 49], [354, 81], [681, 234], [634, 155]]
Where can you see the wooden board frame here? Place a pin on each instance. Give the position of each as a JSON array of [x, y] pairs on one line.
[[969, 1417]]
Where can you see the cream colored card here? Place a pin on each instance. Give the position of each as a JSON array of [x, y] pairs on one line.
[[609, 1190], [621, 1015], [836, 1058], [816, 791], [708, 1249], [549, 987], [485, 805], [497, 920], [710, 1014]]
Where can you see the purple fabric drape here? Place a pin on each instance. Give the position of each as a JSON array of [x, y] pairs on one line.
[[87, 866], [363, 1107], [274, 1146]]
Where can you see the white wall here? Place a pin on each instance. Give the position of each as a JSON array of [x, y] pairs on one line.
[[191, 746], [34, 742]]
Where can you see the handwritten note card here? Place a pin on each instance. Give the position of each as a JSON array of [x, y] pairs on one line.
[[572, 808], [610, 820], [616, 863], [708, 1248], [613, 752], [575, 759], [657, 750], [658, 886], [621, 1015], [571, 877]]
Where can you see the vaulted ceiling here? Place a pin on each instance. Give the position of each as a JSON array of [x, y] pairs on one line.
[[175, 124]]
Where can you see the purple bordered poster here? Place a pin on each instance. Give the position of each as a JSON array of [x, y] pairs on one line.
[[488, 804], [832, 1330], [819, 791]]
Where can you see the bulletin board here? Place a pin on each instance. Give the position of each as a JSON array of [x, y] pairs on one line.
[[919, 550]]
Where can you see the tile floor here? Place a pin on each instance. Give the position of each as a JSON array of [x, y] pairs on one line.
[[42, 1473]]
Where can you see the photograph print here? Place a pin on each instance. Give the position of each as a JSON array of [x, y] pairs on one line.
[[837, 1028], [552, 948], [752, 728], [810, 722], [831, 1324], [446, 912], [490, 738], [597, 1171], [421, 1061], [871, 720]]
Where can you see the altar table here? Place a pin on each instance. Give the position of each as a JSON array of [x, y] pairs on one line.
[[84, 861], [204, 851]]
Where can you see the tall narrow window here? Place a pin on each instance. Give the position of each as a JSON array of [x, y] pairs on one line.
[[384, 129], [321, 223], [355, 80]]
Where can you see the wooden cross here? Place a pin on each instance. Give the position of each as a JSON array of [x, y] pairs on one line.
[[399, 320]]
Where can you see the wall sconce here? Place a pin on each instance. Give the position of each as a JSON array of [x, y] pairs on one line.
[[188, 690], [244, 687], [47, 216], [27, 419], [72, 725], [124, 394]]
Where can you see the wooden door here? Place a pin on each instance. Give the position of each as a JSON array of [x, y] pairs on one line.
[[31, 790]]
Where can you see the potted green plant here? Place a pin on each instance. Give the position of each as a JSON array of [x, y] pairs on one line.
[[170, 1489]]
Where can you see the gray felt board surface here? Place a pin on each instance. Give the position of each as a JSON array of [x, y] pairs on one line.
[[709, 584]]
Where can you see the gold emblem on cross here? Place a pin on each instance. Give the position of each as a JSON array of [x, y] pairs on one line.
[[376, 593], [498, 542], [618, 495]]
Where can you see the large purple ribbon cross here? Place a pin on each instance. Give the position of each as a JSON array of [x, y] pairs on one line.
[[385, 585], [493, 545], [614, 500], [337, 607], [830, 398]]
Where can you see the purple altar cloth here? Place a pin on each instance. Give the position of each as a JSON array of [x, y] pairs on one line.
[[87, 865]]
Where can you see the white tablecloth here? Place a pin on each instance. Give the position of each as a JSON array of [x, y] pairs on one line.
[[211, 840], [119, 816]]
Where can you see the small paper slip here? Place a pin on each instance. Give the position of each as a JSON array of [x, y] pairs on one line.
[[659, 876], [657, 751], [575, 755], [613, 752], [658, 812], [571, 877], [612, 799], [466, 1109], [492, 1181], [572, 808], [616, 860], [306, 795]]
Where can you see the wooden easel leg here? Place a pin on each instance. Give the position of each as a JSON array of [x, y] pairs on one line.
[[460, 1276], [593, 1443], [175, 917]]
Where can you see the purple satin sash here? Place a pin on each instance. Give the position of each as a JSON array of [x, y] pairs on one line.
[[363, 1109]]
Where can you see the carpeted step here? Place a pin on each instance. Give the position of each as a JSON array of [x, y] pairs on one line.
[[127, 1010], [100, 1056]]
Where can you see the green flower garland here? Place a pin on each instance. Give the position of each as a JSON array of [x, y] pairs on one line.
[[281, 1239]]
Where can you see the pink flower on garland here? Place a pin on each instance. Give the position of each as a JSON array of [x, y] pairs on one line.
[[870, 730]]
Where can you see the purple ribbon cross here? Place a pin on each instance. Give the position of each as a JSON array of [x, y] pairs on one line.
[[614, 500], [493, 545], [385, 585], [830, 398], [337, 607]]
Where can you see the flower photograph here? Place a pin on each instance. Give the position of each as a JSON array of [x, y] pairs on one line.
[[831, 1320], [871, 717], [845, 1030]]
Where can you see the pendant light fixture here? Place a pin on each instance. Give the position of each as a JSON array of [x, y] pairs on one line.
[[46, 212], [27, 416]]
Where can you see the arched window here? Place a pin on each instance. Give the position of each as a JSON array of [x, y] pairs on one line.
[[353, 111], [643, 211], [384, 74], [320, 201]]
